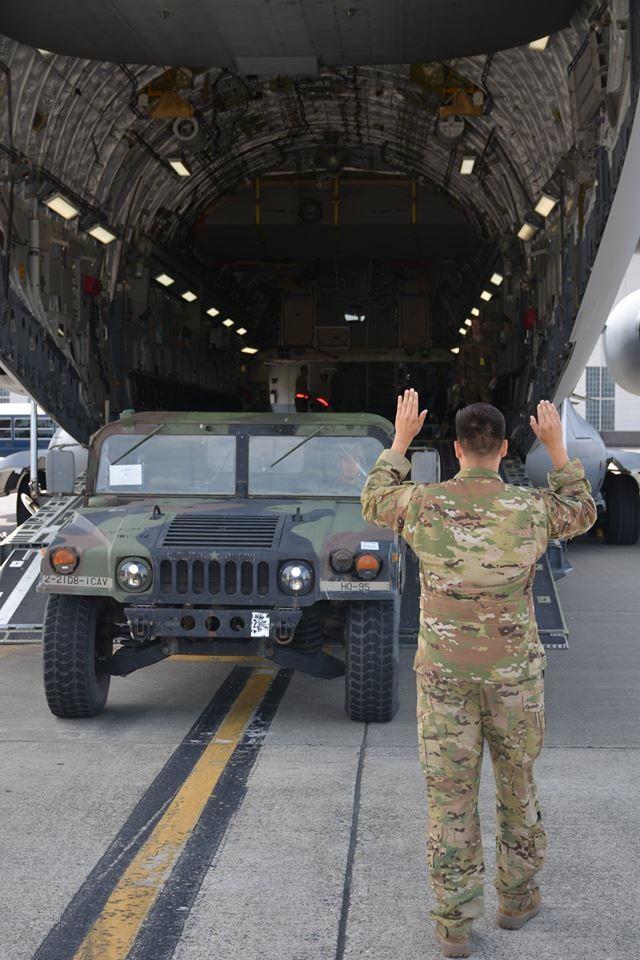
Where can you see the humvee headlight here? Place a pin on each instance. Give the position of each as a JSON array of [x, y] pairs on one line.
[[134, 574], [341, 560], [368, 566], [296, 577], [64, 559]]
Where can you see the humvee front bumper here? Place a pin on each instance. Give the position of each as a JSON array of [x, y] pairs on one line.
[[232, 623], [164, 632]]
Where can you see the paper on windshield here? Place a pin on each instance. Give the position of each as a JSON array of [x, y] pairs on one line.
[[125, 474]]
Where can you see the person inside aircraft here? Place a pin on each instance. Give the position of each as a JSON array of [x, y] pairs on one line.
[[437, 396], [352, 470], [302, 390], [476, 366]]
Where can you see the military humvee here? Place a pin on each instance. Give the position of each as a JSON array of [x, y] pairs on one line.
[[224, 533]]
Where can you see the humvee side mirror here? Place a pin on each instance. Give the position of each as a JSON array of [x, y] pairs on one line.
[[60, 470], [425, 466]]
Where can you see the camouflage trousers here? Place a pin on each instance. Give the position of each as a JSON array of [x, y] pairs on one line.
[[454, 719]]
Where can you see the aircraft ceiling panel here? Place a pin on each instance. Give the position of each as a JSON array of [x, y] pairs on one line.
[[219, 32], [80, 120]]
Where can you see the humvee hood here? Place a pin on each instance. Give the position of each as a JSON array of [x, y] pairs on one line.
[[306, 526]]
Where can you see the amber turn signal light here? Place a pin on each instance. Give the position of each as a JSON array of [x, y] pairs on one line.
[[64, 560], [368, 566]]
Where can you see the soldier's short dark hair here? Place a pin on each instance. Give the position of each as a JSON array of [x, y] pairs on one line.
[[480, 429]]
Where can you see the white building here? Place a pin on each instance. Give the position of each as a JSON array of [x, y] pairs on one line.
[[7, 396]]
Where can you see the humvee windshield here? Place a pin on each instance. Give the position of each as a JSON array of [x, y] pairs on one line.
[[320, 467], [170, 464], [175, 464]]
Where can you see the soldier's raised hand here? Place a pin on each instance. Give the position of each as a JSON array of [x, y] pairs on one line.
[[408, 421], [548, 426], [548, 430]]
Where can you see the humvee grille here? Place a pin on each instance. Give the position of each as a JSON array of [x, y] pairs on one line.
[[211, 578], [203, 530]]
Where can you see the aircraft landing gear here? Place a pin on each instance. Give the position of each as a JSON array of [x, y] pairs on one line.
[[26, 505], [621, 522]]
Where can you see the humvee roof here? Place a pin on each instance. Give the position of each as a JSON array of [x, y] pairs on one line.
[[333, 421]]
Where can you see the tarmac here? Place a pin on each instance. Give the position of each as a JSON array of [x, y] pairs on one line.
[[315, 849]]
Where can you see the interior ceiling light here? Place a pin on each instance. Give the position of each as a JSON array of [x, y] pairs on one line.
[[468, 322], [485, 295], [539, 44], [180, 166], [333, 161], [496, 279], [251, 350], [463, 331], [467, 165], [189, 296], [354, 314], [164, 279], [102, 234], [526, 231], [241, 331], [212, 312], [455, 350], [44, 53], [545, 205], [61, 206], [228, 322], [475, 312]]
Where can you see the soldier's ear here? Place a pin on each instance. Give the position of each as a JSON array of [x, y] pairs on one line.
[[505, 448]]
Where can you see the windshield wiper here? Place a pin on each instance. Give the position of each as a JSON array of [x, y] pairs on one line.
[[361, 469], [138, 444], [297, 447]]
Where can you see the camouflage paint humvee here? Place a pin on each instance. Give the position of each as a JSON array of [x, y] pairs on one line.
[[225, 533]]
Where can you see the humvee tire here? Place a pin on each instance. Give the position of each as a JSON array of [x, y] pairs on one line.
[[71, 641], [621, 522], [372, 660]]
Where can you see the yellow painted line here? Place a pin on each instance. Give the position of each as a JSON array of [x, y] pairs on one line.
[[117, 926], [219, 659], [9, 648]]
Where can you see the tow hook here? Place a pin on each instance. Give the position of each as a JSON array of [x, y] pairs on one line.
[[283, 632], [140, 628]]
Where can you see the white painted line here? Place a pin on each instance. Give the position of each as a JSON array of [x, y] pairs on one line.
[[17, 595]]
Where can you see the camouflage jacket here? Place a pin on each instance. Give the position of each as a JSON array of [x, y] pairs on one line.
[[477, 540]]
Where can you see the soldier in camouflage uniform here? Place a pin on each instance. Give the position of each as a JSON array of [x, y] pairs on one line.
[[479, 662]]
